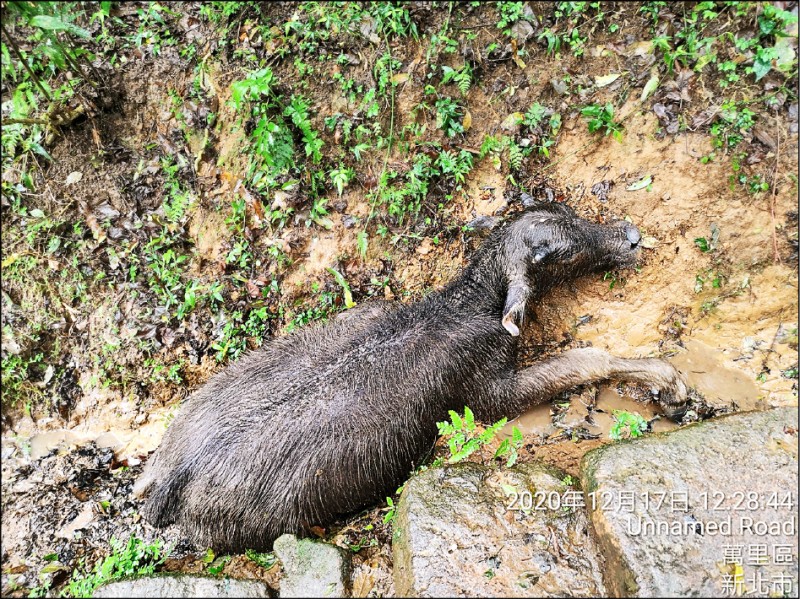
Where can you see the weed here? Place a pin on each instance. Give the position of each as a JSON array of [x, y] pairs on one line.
[[732, 124], [265, 560], [461, 77], [154, 31], [177, 199], [543, 124], [297, 110], [708, 244], [325, 306], [133, 558], [510, 13], [510, 447], [17, 371], [405, 196], [627, 425], [165, 268], [236, 331], [393, 18], [463, 437], [391, 513], [271, 142], [384, 70], [218, 565], [218, 12], [448, 116], [601, 118], [341, 177], [348, 296]]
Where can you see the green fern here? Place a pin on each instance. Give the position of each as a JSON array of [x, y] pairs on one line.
[[515, 155], [461, 77], [463, 439], [297, 110]]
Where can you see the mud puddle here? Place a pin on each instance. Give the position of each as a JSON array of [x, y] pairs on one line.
[[589, 415], [127, 444], [593, 414], [721, 387]]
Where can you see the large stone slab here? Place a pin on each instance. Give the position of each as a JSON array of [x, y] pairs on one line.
[[458, 533], [311, 568], [709, 510], [171, 585]]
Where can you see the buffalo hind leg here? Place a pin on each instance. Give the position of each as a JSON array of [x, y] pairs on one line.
[[540, 382]]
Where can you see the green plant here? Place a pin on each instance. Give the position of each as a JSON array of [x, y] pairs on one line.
[[510, 13], [348, 296], [297, 110], [154, 31], [448, 116], [325, 306], [393, 18], [177, 198], [732, 123], [341, 177], [391, 513], [265, 560], [404, 196], [461, 77], [271, 144], [218, 565], [134, 558], [238, 329], [652, 9], [384, 70], [553, 40], [544, 125], [601, 118], [464, 439], [218, 12], [16, 378], [708, 244], [510, 447], [627, 425]]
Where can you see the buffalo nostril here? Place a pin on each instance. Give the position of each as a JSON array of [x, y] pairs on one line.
[[633, 235]]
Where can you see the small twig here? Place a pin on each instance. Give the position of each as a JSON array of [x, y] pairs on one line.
[[25, 121], [776, 254], [476, 26], [770, 349]]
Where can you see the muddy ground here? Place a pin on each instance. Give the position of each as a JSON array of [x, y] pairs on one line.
[[100, 341]]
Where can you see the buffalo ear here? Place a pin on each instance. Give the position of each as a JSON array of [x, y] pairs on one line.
[[514, 309]]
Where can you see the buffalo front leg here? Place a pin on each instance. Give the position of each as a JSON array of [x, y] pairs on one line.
[[542, 381]]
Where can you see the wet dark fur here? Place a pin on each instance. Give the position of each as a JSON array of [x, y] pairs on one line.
[[331, 419]]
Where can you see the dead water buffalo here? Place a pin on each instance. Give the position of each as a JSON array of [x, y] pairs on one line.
[[331, 419]]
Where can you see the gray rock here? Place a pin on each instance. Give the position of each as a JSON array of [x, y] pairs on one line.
[[715, 478], [522, 30], [368, 29], [455, 535], [169, 585], [311, 568], [559, 85]]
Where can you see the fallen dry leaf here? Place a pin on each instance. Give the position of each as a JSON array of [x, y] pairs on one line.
[[606, 79], [467, 122]]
